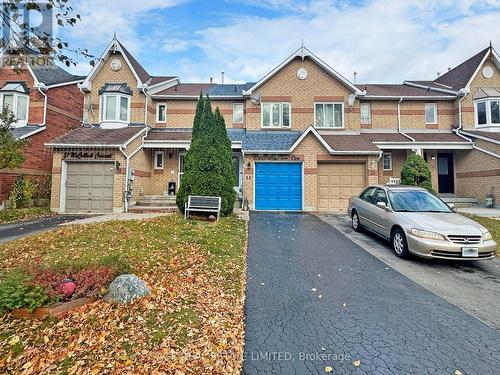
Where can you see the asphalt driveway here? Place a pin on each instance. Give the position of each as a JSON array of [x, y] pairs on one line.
[[472, 286], [315, 300], [20, 229]]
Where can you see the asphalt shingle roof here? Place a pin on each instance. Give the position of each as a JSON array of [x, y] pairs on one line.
[[269, 140], [459, 76], [97, 136], [490, 135], [210, 89], [23, 130], [52, 75], [349, 143], [397, 90], [436, 137]]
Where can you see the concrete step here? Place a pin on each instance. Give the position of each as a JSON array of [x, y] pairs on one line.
[[461, 202], [159, 203], [146, 209]]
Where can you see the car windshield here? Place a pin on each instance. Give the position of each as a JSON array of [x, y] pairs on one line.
[[416, 201]]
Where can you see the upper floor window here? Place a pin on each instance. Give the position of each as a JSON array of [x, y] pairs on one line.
[[15, 97], [237, 113], [365, 110], [488, 113], [431, 113], [115, 107], [276, 115], [161, 112], [115, 102], [329, 115]]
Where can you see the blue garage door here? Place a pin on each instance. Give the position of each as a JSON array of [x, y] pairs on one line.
[[278, 186]]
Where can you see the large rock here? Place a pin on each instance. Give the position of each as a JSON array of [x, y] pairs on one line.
[[125, 289]]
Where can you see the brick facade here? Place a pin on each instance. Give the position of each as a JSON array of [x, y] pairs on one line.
[[64, 112]]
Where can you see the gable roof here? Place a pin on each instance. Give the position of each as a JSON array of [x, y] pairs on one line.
[[54, 75], [142, 76], [97, 137], [303, 52], [459, 76]]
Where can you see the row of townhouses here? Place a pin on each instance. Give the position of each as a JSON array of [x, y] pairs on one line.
[[303, 136]]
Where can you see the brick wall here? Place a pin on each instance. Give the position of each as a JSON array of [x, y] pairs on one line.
[[64, 112], [124, 75]]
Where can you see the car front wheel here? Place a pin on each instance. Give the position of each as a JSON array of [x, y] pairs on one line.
[[356, 225], [399, 244]]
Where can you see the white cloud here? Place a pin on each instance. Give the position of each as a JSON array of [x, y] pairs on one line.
[[383, 40]]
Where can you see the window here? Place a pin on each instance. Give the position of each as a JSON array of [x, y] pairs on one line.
[[275, 115], [387, 160], [159, 159], [182, 159], [18, 105], [366, 113], [488, 112], [367, 195], [380, 196], [237, 113], [115, 108], [431, 113], [236, 164], [161, 112], [329, 115]]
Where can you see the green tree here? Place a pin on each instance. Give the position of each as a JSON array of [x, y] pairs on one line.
[[11, 149], [197, 117], [416, 172], [209, 169]]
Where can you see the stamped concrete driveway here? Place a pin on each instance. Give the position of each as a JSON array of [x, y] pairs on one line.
[[316, 299]]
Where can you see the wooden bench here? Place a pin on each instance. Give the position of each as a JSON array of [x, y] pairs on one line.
[[198, 203]]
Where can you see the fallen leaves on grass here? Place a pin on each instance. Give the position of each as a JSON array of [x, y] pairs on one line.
[[191, 323]]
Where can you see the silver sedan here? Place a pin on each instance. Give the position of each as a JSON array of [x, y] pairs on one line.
[[417, 222]]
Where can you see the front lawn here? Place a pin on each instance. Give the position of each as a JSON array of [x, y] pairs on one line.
[[493, 225], [192, 321], [9, 215]]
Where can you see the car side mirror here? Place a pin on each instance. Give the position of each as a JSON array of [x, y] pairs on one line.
[[452, 206], [382, 205]]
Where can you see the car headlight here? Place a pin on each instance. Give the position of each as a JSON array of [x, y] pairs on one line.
[[426, 234], [487, 236]]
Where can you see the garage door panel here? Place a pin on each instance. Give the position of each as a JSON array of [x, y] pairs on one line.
[[337, 182], [278, 186], [89, 187]]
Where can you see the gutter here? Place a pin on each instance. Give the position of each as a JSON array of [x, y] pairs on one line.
[[399, 121]]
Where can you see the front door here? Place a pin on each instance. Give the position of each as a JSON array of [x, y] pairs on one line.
[[446, 175]]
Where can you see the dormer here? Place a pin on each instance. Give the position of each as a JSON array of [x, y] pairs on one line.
[[114, 104]]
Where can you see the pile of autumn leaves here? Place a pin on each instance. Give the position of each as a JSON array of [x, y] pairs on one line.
[[191, 323]]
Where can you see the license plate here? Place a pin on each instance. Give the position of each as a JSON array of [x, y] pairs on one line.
[[470, 252]]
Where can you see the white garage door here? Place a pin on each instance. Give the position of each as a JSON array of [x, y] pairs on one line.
[[337, 183], [89, 187]]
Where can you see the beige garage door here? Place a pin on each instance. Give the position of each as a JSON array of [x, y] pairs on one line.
[[337, 183], [89, 187]]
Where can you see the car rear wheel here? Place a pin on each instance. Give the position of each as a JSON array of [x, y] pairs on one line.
[[356, 225], [399, 243]]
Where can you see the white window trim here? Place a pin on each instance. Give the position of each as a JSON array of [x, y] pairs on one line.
[[369, 113], [158, 112], [390, 158], [155, 165], [488, 101], [242, 113], [17, 123], [280, 126], [330, 127], [434, 105], [118, 101]]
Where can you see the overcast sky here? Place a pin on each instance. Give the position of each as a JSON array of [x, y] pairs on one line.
[[385, 41]]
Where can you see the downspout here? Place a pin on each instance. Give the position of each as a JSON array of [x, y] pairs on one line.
[[40, 87], [145, 105], [79, 85], [399, 121]]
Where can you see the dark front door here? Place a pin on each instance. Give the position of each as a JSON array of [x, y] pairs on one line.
[[446, 176]]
